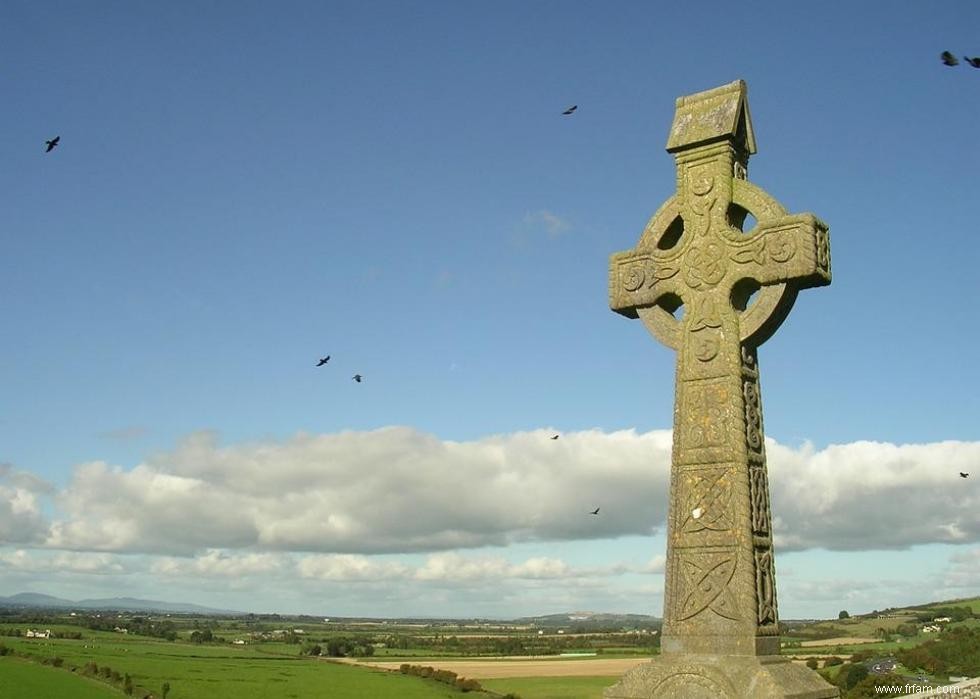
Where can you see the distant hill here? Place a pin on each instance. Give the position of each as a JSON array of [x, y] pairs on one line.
[[127, 604], [593, 620]]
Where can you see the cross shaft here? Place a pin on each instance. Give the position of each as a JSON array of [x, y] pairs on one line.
[[720, 579]]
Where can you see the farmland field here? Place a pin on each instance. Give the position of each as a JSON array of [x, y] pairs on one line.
[[203, 672], [492, 668], [551, 687], [841, 641], [273, 657], [19, 678]]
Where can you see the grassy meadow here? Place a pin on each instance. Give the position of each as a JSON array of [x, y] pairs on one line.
[[551, 687], [22, 678], [202, 672]]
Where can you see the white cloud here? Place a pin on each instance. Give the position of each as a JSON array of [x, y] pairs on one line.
[[398, 490], [873, 495], [552, 224], [216, 563], [23, 561], [657, 564], [387, 491], [452, 567], [349, 568], [964, 570], [21, 518], [148, 510]]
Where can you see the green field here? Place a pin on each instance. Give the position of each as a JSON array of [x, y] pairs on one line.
[[882, 647], [205, 672], [973, 603], [551, 687], [19, 678]]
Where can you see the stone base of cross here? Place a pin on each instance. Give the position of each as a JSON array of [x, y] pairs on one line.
[[714, 676], [721, 630]]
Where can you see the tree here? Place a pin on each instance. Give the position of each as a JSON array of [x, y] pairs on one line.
[[884, 685], [812, 663], [128, 685], [165, 690], [850, 675], [843, 614]]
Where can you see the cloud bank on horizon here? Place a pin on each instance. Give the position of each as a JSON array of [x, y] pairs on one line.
[[397, 490]]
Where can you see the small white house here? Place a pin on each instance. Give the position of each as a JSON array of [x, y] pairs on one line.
[[941, 620], [31, 633]]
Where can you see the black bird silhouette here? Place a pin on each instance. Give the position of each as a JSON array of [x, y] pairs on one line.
[[963, 475], [555, 437], [323, 360], [948, 59], [975, 61], [595, 511], [52, 143], [570, 110], [357, 377]]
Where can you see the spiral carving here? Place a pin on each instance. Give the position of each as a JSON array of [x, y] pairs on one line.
[[633, 278]]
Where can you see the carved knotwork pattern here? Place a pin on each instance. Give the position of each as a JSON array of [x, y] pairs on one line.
[[634, 273], [759, 495], [705, 345], [753, 253], [705, 314], [701, 197], [705, 265], [633, 278], [708, 502], [775, 248], [823, 249], [765, 587], [753, 414], [782, 248], [706, 579], [705, 405], [749, 365], [704, 326]]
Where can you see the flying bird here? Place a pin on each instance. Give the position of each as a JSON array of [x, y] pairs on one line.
[[323, 360], [555, 437], [357, 377], [963, 475], [948, 59], [975, 61], [575, 106], [595, 511], [52, 143]]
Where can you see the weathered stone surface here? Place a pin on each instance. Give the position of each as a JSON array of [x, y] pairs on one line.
[[721, 631], [680, 676]]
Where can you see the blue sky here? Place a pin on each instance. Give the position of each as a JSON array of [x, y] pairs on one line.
[[241, 189]]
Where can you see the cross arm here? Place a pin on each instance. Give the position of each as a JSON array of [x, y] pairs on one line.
[[794, 249], [637, 278]]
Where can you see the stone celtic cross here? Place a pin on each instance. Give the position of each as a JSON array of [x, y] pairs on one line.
[[713, 289]]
